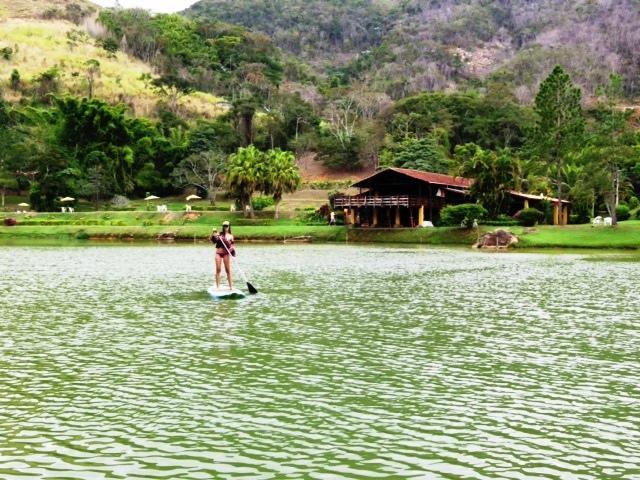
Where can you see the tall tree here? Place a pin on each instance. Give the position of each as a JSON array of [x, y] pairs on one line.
[[560, 125], [91, 75], [203, 170], [494, 174], [244, 175], [281, 175], [611, 148]]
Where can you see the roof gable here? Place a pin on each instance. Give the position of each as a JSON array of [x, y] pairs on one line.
[[427, 177]]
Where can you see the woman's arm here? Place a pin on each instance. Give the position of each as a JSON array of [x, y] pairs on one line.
[[231, 241]]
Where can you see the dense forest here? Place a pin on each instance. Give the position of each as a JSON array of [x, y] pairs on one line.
[[308, 90]]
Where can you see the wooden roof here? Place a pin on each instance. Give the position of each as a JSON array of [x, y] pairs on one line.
[[530, 196], [427, 177]]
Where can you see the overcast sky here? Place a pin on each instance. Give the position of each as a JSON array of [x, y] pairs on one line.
[[154, 5]]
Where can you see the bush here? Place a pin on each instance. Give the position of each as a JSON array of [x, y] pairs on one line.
[[623, 213], [546, 207], [332, 197], [9, 222], [260, 203], [119, 201], [82, 235], [634, 203], [529, 217], [462, 215], [501, 221]]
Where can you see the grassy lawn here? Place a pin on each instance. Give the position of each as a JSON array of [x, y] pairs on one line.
[[43, 44], [625, 235], [291, 205], [144, 224]]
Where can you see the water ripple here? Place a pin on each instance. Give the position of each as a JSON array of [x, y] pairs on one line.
[[353, 362]]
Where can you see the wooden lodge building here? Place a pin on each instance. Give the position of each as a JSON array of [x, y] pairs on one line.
[[399, 197]]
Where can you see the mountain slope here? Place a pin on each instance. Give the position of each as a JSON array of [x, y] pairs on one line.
[[72, 10], [404, 46], [37, 47]]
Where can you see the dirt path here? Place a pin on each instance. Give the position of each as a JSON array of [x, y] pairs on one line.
[[313, 170]]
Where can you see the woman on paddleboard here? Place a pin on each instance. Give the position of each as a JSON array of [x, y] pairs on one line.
[[224, 248]]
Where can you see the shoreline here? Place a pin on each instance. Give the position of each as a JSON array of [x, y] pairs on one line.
[[442, 236], [180, 227]]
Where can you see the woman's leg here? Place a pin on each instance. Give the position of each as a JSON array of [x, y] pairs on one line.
[[218, 270], [227, 267]]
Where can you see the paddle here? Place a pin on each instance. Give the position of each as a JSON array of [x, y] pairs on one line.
[[251, 288]]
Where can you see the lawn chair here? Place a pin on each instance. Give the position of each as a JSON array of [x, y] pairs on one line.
[[63, 209], [188, 208], [70, 209]]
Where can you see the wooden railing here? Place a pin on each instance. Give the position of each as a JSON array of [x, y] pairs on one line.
[[378, 201]]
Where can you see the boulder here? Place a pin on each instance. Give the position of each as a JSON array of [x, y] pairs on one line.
[[497, 240], [166, 237]]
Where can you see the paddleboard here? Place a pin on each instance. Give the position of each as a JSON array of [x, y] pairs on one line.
[[225, 293]]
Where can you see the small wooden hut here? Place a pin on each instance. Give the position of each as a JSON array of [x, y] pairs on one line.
[[399, 197]]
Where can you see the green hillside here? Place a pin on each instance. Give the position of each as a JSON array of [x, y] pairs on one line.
[[39, 42], [72, 10]]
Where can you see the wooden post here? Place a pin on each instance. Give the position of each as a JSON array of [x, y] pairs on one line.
[[398, 223], [420, 215], [556, 217], [374, 222], [565, 215], [526, 203]]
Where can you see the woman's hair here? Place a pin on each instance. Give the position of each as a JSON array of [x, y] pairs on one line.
[[228, 227]]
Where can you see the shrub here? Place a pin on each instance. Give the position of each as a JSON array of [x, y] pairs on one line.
[[634, 203], [623, 213], [462, 215], [529, 217], [260, 203], [9, 222], [6, 53], [332, 197], [14, 80], [82, 235], [119, 201], [501, 221], [546, 207]]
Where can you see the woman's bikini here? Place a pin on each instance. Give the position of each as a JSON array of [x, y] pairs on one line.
[[220, 250]]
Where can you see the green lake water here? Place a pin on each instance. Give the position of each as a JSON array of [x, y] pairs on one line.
[[352, 362]]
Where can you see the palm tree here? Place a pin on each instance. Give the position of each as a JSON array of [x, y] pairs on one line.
[[281, 175], [494, 174], [244, 175]]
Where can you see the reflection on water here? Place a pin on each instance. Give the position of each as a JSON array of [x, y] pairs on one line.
[[353, 362]]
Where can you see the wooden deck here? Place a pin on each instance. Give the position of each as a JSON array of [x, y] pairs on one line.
[[378, 201]]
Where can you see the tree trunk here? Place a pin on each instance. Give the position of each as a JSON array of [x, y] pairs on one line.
[[611, 207], [2, 193], [212, 196], [247, 208], [559, 188], [276, 215], [246, 128]]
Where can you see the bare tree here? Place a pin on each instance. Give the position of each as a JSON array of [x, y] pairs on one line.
[[91, 75], [342, 115], [204, 170]]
